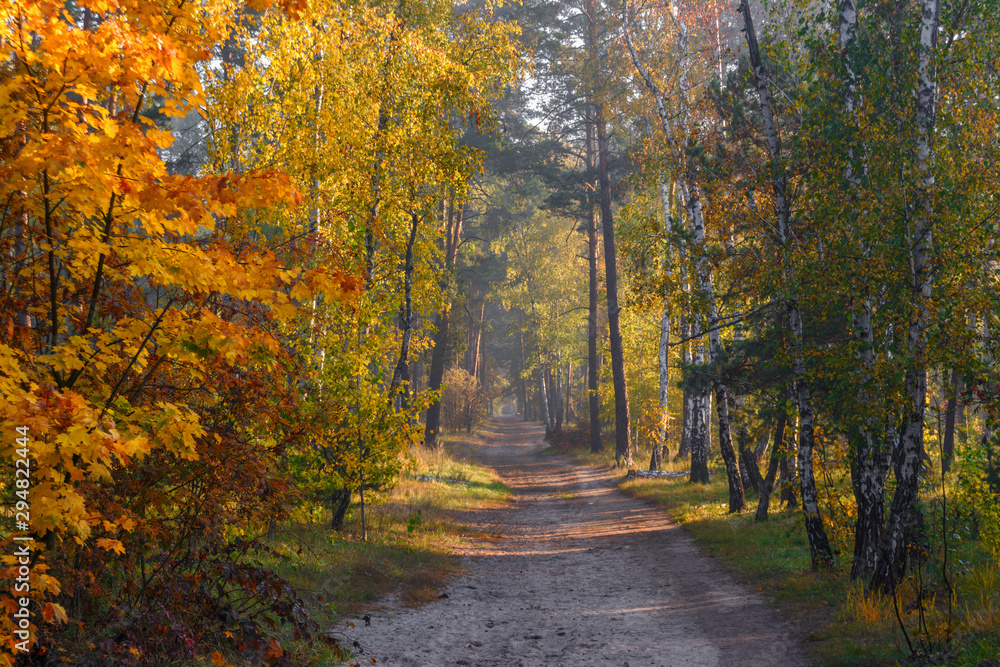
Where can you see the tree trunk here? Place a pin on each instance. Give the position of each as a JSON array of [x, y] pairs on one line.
[[763, 443], [777, 452], [477, 346], [525, 403], [819, 545], [693, 204], [868, 461], [907, 463], [664, 350], [402, 370], [954, 396], [339, 501], [623, 453], [699, 427], [687, 410], [453, 231], [749, 463], [436, 374], [788, 479], [546, 414], [569, 392], [593, 400], [737, 500], [869, 467], [559, 398]]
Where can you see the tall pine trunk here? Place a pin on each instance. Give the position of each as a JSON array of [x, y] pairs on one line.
[[623, 453], [593, 399]]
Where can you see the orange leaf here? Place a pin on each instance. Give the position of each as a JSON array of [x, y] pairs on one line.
[[275, 651], [56, 611]]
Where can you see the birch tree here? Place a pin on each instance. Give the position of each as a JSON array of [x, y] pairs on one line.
[[819, 545], [908, 457]]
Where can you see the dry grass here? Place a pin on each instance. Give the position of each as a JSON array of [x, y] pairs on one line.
[[412, 529]]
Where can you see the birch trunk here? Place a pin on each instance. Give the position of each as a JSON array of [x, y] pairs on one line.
[[777, 452], [869, 466], [684, 449], [908, 459], [704, 273], [665, 192], [656, 461], [867, 471], [699, 429], [559, 397], [700, 434], [819, 545], [546, 415]]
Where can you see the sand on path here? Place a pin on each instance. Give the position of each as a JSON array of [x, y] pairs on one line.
[[583, 575]]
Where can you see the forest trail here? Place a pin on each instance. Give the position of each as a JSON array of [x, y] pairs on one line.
[[583, 575]]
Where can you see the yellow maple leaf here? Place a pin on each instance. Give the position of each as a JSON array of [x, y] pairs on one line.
[[111, 545]]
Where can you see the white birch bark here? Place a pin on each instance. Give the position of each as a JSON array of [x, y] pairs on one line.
[[868, 463], [907, 462], [665, 194], [707, 288], [664, 350], [819, 546], [545, 401]]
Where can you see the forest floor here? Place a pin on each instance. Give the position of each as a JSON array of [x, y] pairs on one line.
[[577, 573]]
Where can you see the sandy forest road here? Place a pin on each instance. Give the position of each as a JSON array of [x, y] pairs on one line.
[[583, 576]]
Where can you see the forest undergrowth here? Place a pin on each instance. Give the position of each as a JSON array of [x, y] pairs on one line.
[[408, 555], [839, 622]]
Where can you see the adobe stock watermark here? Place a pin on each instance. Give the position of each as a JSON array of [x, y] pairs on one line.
[[22, 517]]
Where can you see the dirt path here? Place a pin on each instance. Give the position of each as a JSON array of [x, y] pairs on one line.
[[584, 576]]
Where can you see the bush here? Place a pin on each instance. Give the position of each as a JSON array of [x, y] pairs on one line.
[[462, 400]]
